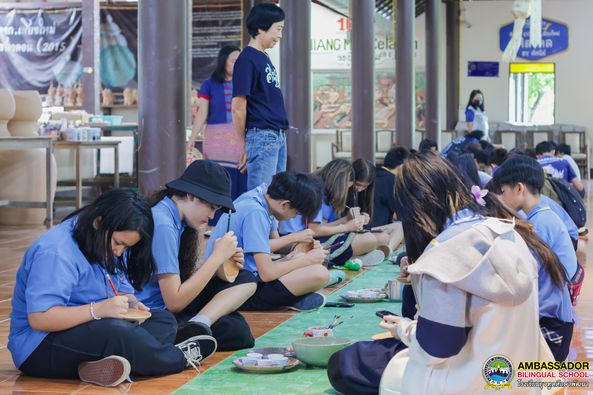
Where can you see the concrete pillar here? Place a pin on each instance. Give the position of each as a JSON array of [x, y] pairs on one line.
[[363, 79], [433, 24], [91, 43], [452, 63], [295, 77], [405, 74], [163, 82]]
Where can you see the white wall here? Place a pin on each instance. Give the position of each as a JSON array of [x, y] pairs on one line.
[[574, 67]]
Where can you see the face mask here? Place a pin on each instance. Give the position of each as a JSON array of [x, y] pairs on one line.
[[477, 102]]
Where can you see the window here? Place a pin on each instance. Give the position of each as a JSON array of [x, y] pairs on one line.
[[532, 93]]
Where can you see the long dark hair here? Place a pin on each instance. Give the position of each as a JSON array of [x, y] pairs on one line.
[[466, 165], [428, 191], [118, 210], [336, 175], [364, 171], [188, 246], [470, 102], [547, 257], [219, 73]]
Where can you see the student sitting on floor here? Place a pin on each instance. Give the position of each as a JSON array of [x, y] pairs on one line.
[[454, 249], [73, 291], [557, 167], [291, 282], [203, 303], [520, 180], [362, 195], [335, 224], [384, 204]]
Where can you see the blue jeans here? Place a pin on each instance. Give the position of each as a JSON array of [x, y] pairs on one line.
[[266, 155]]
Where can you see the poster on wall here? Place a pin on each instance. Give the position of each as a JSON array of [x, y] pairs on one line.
[[39, 47], [213, 26]]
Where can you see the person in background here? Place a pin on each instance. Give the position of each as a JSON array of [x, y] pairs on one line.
[[221, 143], [563, 151], [73, 292], [428, 145], [475, 115], [557, 167], [384, 207], [258, 108]]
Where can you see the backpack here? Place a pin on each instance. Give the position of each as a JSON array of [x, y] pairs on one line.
[[568, 198]]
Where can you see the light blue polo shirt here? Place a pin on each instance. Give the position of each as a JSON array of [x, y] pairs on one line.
[[252, 224], [573, 231], [549, 228], [54, 272], [168, 229]]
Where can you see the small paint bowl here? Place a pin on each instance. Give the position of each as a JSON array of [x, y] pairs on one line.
[[320, 331]]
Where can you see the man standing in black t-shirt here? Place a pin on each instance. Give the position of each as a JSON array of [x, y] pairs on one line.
[[259, 115]]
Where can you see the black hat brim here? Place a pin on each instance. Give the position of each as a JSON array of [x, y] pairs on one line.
[[203, 193]]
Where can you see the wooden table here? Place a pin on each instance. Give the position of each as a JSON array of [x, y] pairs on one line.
[[25, 143], [98, 144]]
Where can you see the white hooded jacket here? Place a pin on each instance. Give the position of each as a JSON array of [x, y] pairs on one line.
[[484, 279]]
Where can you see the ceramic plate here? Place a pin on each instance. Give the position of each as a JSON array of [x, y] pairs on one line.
[[287, 352], [292, 363], [381, 336], [137, 315], [366, 295]]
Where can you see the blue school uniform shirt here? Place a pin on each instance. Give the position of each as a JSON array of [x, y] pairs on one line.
[[554, 301], [252, 224], [573, 231], [168, 229], [296, 224], [256, 78], [557, 167], [219, 96], [551, 230], [54, 272]]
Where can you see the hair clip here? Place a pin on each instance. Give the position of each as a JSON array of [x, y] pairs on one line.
[[479, 194]]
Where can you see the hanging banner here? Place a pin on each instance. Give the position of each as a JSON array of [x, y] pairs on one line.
[[39, 46], [43, 46], [554, 39], [213, 26]]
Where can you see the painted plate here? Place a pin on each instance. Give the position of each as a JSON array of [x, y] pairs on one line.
[[292, 363], [137, 315], [287, 352], [365, 295]]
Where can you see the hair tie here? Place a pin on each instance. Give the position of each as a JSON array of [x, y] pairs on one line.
[[479, 194]]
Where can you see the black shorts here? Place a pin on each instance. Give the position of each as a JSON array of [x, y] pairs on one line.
[[213, 287]]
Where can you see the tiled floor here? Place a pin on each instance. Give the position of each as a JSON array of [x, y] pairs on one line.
[[15, 240]]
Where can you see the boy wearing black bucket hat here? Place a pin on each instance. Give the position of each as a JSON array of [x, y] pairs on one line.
[[290, 282], [203, 303]]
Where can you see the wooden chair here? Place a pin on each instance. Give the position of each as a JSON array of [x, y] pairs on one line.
[[576, 138], [539, 134], [342, 148]]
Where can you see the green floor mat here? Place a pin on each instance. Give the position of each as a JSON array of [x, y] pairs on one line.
[[224, 378]]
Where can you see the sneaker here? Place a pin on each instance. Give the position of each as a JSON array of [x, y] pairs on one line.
[[310, 302], [191, 329], [335, 277], [372, 258], [107, 372], [197, 348]]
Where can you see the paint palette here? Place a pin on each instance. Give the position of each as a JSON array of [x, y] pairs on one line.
[[365, 295]]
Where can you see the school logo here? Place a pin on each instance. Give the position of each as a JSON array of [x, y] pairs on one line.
[[272, 75], [498, 372]]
